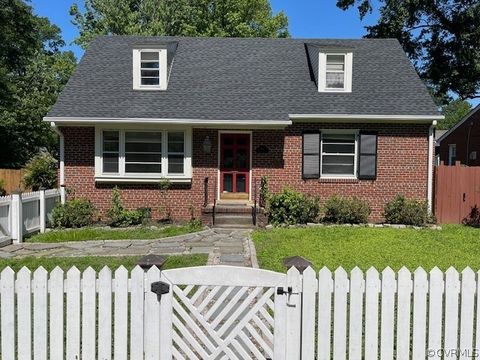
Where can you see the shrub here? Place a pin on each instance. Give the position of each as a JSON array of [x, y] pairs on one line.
[[73, 214], [408, 212], [473, 218], [119, 216], [41, 171], [292, 207], [164, 185], [342, 210], [264, 193], [3, 192]]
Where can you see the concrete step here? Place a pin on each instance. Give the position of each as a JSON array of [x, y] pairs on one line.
[[233, 226], [233, 219], [228, 209]]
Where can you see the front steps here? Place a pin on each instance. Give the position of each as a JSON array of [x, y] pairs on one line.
[[230, 215]]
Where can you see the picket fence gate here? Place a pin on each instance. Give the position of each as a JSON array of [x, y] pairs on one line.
[[223, 312]]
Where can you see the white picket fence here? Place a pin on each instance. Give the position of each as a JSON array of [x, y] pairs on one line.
[[25, 213], [370, 316]]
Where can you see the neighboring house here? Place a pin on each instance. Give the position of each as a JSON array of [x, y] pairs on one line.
[[325, 117], [462, 142]]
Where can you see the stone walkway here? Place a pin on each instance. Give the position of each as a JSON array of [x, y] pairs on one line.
[[223, 246]]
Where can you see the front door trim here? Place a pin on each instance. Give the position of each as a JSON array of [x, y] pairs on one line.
[[220, 132]]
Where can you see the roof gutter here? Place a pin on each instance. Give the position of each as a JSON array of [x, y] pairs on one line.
[[69, 121], [358, 118]]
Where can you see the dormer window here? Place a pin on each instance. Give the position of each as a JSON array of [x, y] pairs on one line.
[[149, 69], [335, 78], [335, 72]]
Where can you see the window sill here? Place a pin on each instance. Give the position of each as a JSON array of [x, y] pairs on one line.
[[156, 88], [339, 180], [141, 180]]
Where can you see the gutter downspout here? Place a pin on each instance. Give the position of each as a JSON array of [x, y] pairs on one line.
[[62, 162], [430, 167]]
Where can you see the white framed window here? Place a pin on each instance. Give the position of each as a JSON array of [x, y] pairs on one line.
[[150, 69], [339, 152], [452, 154], [111, 151], [142, 154], [335, 71], [176, 152]]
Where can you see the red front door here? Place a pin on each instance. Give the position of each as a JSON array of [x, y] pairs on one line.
[[234, 166]]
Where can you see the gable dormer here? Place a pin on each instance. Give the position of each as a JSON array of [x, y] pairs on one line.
[[331, 67], [151, 66]]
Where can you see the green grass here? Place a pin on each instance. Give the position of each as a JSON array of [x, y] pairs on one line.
[[454, 245], [93, 233], [98, 262]]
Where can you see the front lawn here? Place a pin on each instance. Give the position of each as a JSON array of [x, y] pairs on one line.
[[454, 245], [96, 233], [98, 262]]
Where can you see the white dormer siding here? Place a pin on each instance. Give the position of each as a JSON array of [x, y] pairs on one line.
[[335, 71], [149, 69]]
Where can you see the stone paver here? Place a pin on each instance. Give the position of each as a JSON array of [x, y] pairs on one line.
[[224, 247]]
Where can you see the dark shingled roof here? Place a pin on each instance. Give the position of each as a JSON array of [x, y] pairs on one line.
[[242, 79]]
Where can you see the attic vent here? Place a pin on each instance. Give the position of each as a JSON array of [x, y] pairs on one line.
[[149, 69], [335, 71]]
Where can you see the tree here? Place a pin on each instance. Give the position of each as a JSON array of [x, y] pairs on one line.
[[18, 41], [33, 70], [22, 127], [441, 37], [454, 112], [228, 18]]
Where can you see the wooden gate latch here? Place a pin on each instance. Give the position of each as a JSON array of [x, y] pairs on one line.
[[160, 288]]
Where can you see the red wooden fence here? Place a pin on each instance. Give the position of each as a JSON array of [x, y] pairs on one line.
[[457, 191]]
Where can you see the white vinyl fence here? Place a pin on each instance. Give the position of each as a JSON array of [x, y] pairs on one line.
[[387, 315], [25, 213]]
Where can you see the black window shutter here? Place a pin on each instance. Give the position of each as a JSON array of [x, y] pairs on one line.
[[367, 159], [311, 155]]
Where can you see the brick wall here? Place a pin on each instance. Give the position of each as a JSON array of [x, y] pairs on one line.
[[460, 137], [402, 168], [401, 164]]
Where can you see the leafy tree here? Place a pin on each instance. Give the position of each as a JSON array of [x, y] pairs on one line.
[[229, 18], [441, 37], [454, 112], [18, 41], [33, 70], [41, 171]]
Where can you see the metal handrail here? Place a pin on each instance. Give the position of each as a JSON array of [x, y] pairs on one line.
[[254, 210], [214, 201], [205, 192]]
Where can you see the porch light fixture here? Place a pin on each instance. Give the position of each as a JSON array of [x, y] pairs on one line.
[[207, 145]]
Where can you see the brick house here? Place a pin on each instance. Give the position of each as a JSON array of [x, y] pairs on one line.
[[348, 117], [462, 142]]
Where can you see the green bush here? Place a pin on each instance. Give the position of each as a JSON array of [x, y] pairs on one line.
[[291, 207], [264, 193], [408, 212], [342, 210], [73, 214], [41, 171], [473, 218], [119, 216], [3, 192]]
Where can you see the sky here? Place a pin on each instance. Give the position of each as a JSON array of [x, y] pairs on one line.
[[307, 19]]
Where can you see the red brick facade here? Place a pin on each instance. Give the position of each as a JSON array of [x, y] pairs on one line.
[[460, 137], [401, 168]]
